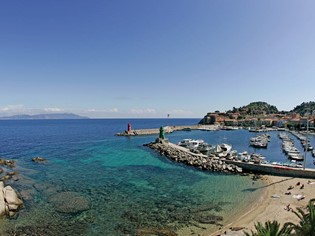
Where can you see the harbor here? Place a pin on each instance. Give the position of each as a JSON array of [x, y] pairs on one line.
[[223, 161], [256, 158]]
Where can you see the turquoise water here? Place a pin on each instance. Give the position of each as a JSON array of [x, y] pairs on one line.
[[124, 188]]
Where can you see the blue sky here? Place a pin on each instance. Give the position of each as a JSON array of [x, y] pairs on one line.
[[148, 58]]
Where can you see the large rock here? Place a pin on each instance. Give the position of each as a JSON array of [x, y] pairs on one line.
[[11, 197], [2, 201], [69, 202], [12, 201]]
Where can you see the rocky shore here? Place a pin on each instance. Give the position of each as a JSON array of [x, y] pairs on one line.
[[183, 155], [10, 201]]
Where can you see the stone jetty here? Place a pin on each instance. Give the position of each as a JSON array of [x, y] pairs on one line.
[[167, 129], [183, 155]]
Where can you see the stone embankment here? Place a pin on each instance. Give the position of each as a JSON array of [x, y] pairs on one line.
[[183, 155]]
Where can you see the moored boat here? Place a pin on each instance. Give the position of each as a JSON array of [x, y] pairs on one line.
[[296, 157], [190, 143]]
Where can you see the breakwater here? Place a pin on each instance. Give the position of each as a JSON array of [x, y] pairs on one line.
[[183, 155], [167, 130], [274, 169]]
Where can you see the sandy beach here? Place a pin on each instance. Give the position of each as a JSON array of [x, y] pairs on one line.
[[273, 202]]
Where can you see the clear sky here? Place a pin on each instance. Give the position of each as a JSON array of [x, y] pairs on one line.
[[148, 58]]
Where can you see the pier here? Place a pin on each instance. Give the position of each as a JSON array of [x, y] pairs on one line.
[[167, 130]]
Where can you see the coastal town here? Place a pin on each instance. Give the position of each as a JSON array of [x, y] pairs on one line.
[[260, 114]]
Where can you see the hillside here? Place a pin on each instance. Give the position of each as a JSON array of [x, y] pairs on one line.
[[304, 107], [256, 108]]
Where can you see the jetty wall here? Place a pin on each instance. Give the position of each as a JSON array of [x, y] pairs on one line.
[[274, 169], [167, 129]]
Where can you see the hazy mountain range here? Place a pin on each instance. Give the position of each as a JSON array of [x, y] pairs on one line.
[[56, 116]]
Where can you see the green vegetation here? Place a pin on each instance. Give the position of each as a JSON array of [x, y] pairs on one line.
[[256, 108], [304, 107], [261, 111], [305, 227], [263, 108], [271, 229]]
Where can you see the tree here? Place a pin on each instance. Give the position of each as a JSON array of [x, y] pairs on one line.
[[306, 226], [271, 229]]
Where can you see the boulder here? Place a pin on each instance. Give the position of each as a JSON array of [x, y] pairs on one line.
[[11, 196], [69, 202], [2, 201]]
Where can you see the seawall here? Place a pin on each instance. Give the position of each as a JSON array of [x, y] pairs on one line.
[[274, 169]]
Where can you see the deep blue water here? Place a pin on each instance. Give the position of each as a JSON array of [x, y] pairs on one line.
[[129, 189]]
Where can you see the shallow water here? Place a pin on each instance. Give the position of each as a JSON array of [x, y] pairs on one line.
[[129, 188]]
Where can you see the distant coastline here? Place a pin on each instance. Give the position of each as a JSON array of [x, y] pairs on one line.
[[55, 116]]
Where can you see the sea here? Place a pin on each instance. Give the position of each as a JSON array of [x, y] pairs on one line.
[[96, 183]]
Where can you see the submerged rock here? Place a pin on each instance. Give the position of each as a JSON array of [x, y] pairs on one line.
[[208, 219], [69, 202], [39, 159], [9, 163], [152, 231]]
